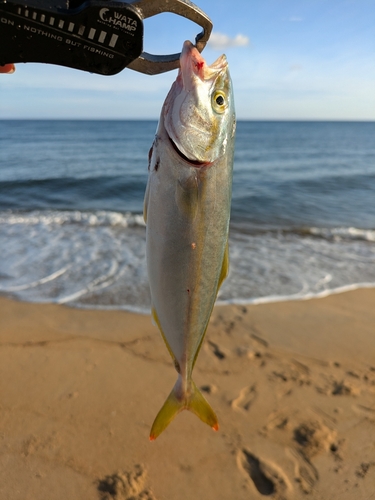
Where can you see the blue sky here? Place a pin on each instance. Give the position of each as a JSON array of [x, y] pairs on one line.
[[289, 59]]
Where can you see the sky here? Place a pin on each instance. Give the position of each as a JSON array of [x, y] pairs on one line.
[[289, 60]]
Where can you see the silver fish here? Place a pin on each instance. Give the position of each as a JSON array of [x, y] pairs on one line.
[[187, 210]]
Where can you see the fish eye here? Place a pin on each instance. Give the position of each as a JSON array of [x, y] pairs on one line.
[[219, 102]]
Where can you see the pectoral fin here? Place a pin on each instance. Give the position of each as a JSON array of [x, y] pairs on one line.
[[186, 196]]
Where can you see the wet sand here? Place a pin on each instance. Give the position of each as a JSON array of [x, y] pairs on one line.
[[293, 385]]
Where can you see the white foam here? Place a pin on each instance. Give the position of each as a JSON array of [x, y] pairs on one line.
[[33, 284], [59, 218], [297, 296], [97, 284], [348, 233], [97, 260]]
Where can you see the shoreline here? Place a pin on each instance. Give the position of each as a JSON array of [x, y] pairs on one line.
[[272, 299], [292, 383]]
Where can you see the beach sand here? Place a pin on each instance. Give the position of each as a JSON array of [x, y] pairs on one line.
[[293, 385]]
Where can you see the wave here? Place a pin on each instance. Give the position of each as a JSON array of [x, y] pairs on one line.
[[33, 284], [336, 234], [97, 259], [329, 199], [99, 218], [343, 233], [110, 218], [107, 192]]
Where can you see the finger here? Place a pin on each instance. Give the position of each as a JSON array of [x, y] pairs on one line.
[[7, 68]]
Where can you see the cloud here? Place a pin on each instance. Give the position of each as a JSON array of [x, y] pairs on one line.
[[220, 41]]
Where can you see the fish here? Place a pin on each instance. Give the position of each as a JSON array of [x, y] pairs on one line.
[[187, 211]]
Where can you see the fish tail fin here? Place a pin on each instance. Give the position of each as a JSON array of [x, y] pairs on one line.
[[193, 401], [198, 404]]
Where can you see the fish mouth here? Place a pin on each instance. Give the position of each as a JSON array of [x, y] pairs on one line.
[[192, 64], [194, 163]]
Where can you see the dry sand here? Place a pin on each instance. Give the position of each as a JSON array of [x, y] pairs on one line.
[[293, 385]]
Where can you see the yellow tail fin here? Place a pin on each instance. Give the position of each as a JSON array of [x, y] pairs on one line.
[[193, 401]]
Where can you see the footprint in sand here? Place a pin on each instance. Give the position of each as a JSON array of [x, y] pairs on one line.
[[209, 388], [333, 387], [267, 478], [245, 399], [363, 469], [313, 437], [125, 486], [305, 474], [216, 351]]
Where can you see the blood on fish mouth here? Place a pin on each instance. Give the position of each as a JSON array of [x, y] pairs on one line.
[[195, 163]]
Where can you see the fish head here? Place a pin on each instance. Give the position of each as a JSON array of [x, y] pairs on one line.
[[198, 112]]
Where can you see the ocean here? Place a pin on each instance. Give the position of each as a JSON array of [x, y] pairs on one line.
[[72, 230]]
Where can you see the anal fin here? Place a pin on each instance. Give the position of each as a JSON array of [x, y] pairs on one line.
[[225, 267]]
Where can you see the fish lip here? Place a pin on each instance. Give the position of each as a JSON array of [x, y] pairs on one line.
[[193, 64], [193, 163]]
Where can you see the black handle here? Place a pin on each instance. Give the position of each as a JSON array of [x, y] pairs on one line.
[[97, 36]]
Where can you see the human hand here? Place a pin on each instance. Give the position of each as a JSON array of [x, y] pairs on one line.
[[7, 68]]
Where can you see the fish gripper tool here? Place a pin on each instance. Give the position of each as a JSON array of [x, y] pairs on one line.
[[99, 36]]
